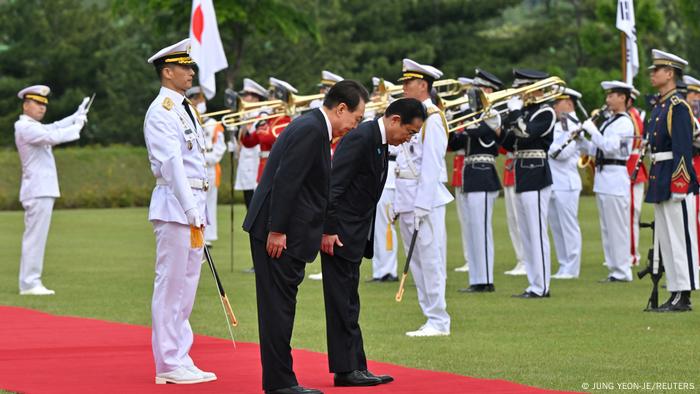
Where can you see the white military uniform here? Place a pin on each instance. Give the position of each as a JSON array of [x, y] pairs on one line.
[[420, 185], [247, 171], [214, 152], [176, 148], [328, 79], [513, 226], [563, 202], [612, 188], [39, 188], [384, 260]]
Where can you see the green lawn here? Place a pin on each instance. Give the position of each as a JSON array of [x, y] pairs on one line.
[[100, 262]]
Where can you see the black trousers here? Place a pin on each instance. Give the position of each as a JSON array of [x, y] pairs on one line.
[[341, 279], [276, 285], [248, 197]]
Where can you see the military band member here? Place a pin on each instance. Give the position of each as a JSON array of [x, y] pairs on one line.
[[249, 157], [457, 168], [215, 143], [176, 151], [39, 184], [611, 146], [529, 136], [566, 188], [420, 201], [360, 167], [480, 186], [637, 187], [673, 182], [328, 79], [285, 223]]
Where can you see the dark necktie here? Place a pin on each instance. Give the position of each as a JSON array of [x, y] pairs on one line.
[[187, 108]]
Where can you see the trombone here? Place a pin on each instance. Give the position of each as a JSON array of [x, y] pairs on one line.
[[536, 93]]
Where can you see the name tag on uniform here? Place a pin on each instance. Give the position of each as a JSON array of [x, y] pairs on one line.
[[189, 136]]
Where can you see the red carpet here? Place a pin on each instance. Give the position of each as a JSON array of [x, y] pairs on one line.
[[43, 353]]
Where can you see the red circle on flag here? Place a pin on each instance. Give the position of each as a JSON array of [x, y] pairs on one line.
[[198, 23]]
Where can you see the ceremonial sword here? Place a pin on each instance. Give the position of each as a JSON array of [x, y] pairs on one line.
[[399, 294], [225, 304]]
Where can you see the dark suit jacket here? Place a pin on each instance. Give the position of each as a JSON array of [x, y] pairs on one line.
[[359, 171], [292, 195]]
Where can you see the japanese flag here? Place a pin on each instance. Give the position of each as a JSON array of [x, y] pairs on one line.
[[206, 48]]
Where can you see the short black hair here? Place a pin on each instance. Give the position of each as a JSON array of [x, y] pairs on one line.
[[159, 66], [408, 108], [346, 91]]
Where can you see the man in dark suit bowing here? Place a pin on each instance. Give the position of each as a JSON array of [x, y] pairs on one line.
[[285, 223], [359, 171]]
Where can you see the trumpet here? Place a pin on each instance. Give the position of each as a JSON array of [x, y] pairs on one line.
[[536, 93]]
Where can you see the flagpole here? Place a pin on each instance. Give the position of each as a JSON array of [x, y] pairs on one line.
[[623, 59]]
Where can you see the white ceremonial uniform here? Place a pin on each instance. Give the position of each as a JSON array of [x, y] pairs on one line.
[[420, 184], [512, 219], [39, 188], [214, 152], [384, 260], [612, 187], [563, 202], [176, 150]]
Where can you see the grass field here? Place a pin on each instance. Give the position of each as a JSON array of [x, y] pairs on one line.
[[100, 262]]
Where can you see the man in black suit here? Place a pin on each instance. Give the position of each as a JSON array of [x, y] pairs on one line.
[[359, 171], [285, 223]]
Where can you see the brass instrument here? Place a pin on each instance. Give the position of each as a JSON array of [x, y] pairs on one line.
[[536, 93]]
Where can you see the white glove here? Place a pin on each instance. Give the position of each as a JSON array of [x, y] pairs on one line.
[[515, 103], [493, 119], [193, 218], [82, 108], [80, 120], [678, 197], [418, 215], [590, 127]]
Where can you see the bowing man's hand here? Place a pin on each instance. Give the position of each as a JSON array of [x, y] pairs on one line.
[[328, 242], [276, 243]]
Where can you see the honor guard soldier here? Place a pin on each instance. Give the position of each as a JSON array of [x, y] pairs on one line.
[[480, 186], [693, 99], [39, 185], [249, 157], [420, 201], [215, 143], [672, 181], [529, 136], [611, 146], [328, 79], [566, 187], [637, 186], [176, 151]]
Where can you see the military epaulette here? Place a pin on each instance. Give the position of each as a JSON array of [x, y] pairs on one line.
[[432, 111], [675, 100], [168, 103]]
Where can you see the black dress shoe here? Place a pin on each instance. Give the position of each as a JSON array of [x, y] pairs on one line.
[[529, 294], [611, 279], [355, 378], [374, 280], [679, 302], [383, 378], [389, 278], [488, 288], [294, 390]]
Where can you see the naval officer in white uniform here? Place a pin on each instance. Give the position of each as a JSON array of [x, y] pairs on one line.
[[420, 200], [566, 188], [176, 151], [39, 187]]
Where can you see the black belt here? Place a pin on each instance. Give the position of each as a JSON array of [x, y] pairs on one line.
[[612, 162], [392, 158]]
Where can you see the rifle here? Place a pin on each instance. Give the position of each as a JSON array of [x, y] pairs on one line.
[[654, 268]]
